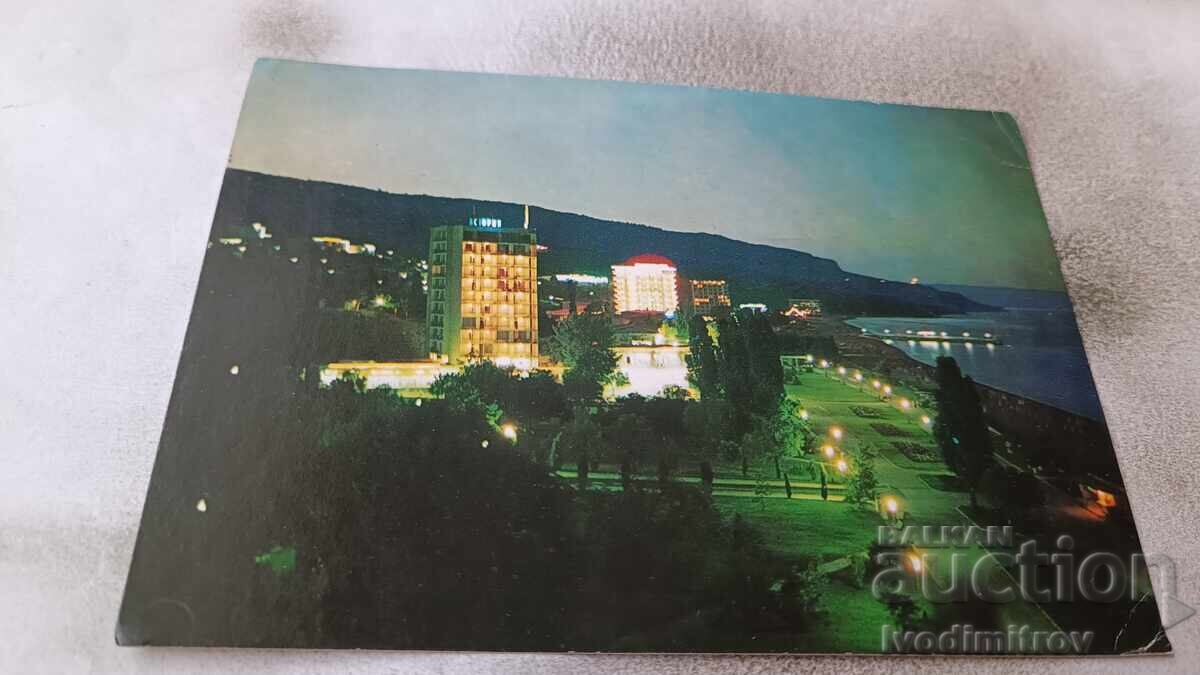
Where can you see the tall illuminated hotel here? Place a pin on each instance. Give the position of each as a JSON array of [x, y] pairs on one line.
[[483, 302], [645, 283]]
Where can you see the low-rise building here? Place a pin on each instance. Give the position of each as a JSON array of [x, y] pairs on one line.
[[710, 297]]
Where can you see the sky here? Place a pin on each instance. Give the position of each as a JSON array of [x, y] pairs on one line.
[[888, 191]]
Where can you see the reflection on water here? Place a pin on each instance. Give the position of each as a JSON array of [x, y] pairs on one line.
[[649, 369], [1041, 356]]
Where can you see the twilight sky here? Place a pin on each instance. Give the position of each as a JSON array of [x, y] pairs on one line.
[[889, 191]]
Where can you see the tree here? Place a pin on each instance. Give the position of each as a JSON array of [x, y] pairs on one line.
[[573, 297], [583, 344], [765, 367], [707, 423], [580, 442], [706, 477], [737, 381], [787, 486], [863, 488], [673, 392], [750, 371], [778, 435], [703, 367], [960, 428]]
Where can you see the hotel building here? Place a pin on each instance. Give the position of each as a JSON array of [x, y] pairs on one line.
[[483, 302], [644, 283], [803, 308], [710, 297]]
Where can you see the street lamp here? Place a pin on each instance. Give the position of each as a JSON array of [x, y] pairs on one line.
[[925, 420], [828, 450], [842, 466], [858, 377], [841, 370], [509, 431], [836, 432], [905, 403], [891, 505], [804, 414], [887, 390], [876, 383]]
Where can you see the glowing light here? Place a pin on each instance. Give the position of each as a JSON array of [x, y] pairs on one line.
[[925, 420], [330, 271], [379, 300], [858, 377], [891, 505], [509, 431], [914, 281], [841, 370], [201, 505], [943, 333], [966, 334], [418, 404], [828, 450], [483, 443], [234, 370], [808, 358], [876, 383], [836, 432], [842, 466], [293, 260], [824, 363], [582, 279], [324, 260], [645, 284], [987, 335], [887, 390], [914, 561], [905, 403], [241, 249], [803, 414], [887, 330]]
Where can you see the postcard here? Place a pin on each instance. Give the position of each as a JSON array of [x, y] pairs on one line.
[[499, 363]]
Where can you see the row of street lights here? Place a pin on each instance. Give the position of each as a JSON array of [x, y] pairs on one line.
[[885, 390]]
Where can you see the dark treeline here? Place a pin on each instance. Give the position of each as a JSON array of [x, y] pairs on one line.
[[284, 513], [411, 534]]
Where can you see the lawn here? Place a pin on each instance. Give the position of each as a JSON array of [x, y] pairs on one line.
[[831, 402], [805, 529]]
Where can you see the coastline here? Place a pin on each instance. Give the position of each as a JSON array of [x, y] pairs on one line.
[[1046, 434]]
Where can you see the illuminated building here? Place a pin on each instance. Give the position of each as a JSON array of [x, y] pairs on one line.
[[482, 302], [345, 245], [803, 308], [582, 279], [756, 307], [710, 297], [644, 283]]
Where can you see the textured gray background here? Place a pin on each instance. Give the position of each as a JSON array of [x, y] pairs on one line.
[[115, 122]]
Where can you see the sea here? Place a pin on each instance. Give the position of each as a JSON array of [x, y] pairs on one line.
[[1040, 357]]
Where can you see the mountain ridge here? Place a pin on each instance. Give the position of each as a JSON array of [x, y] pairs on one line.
[[577, 242]]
